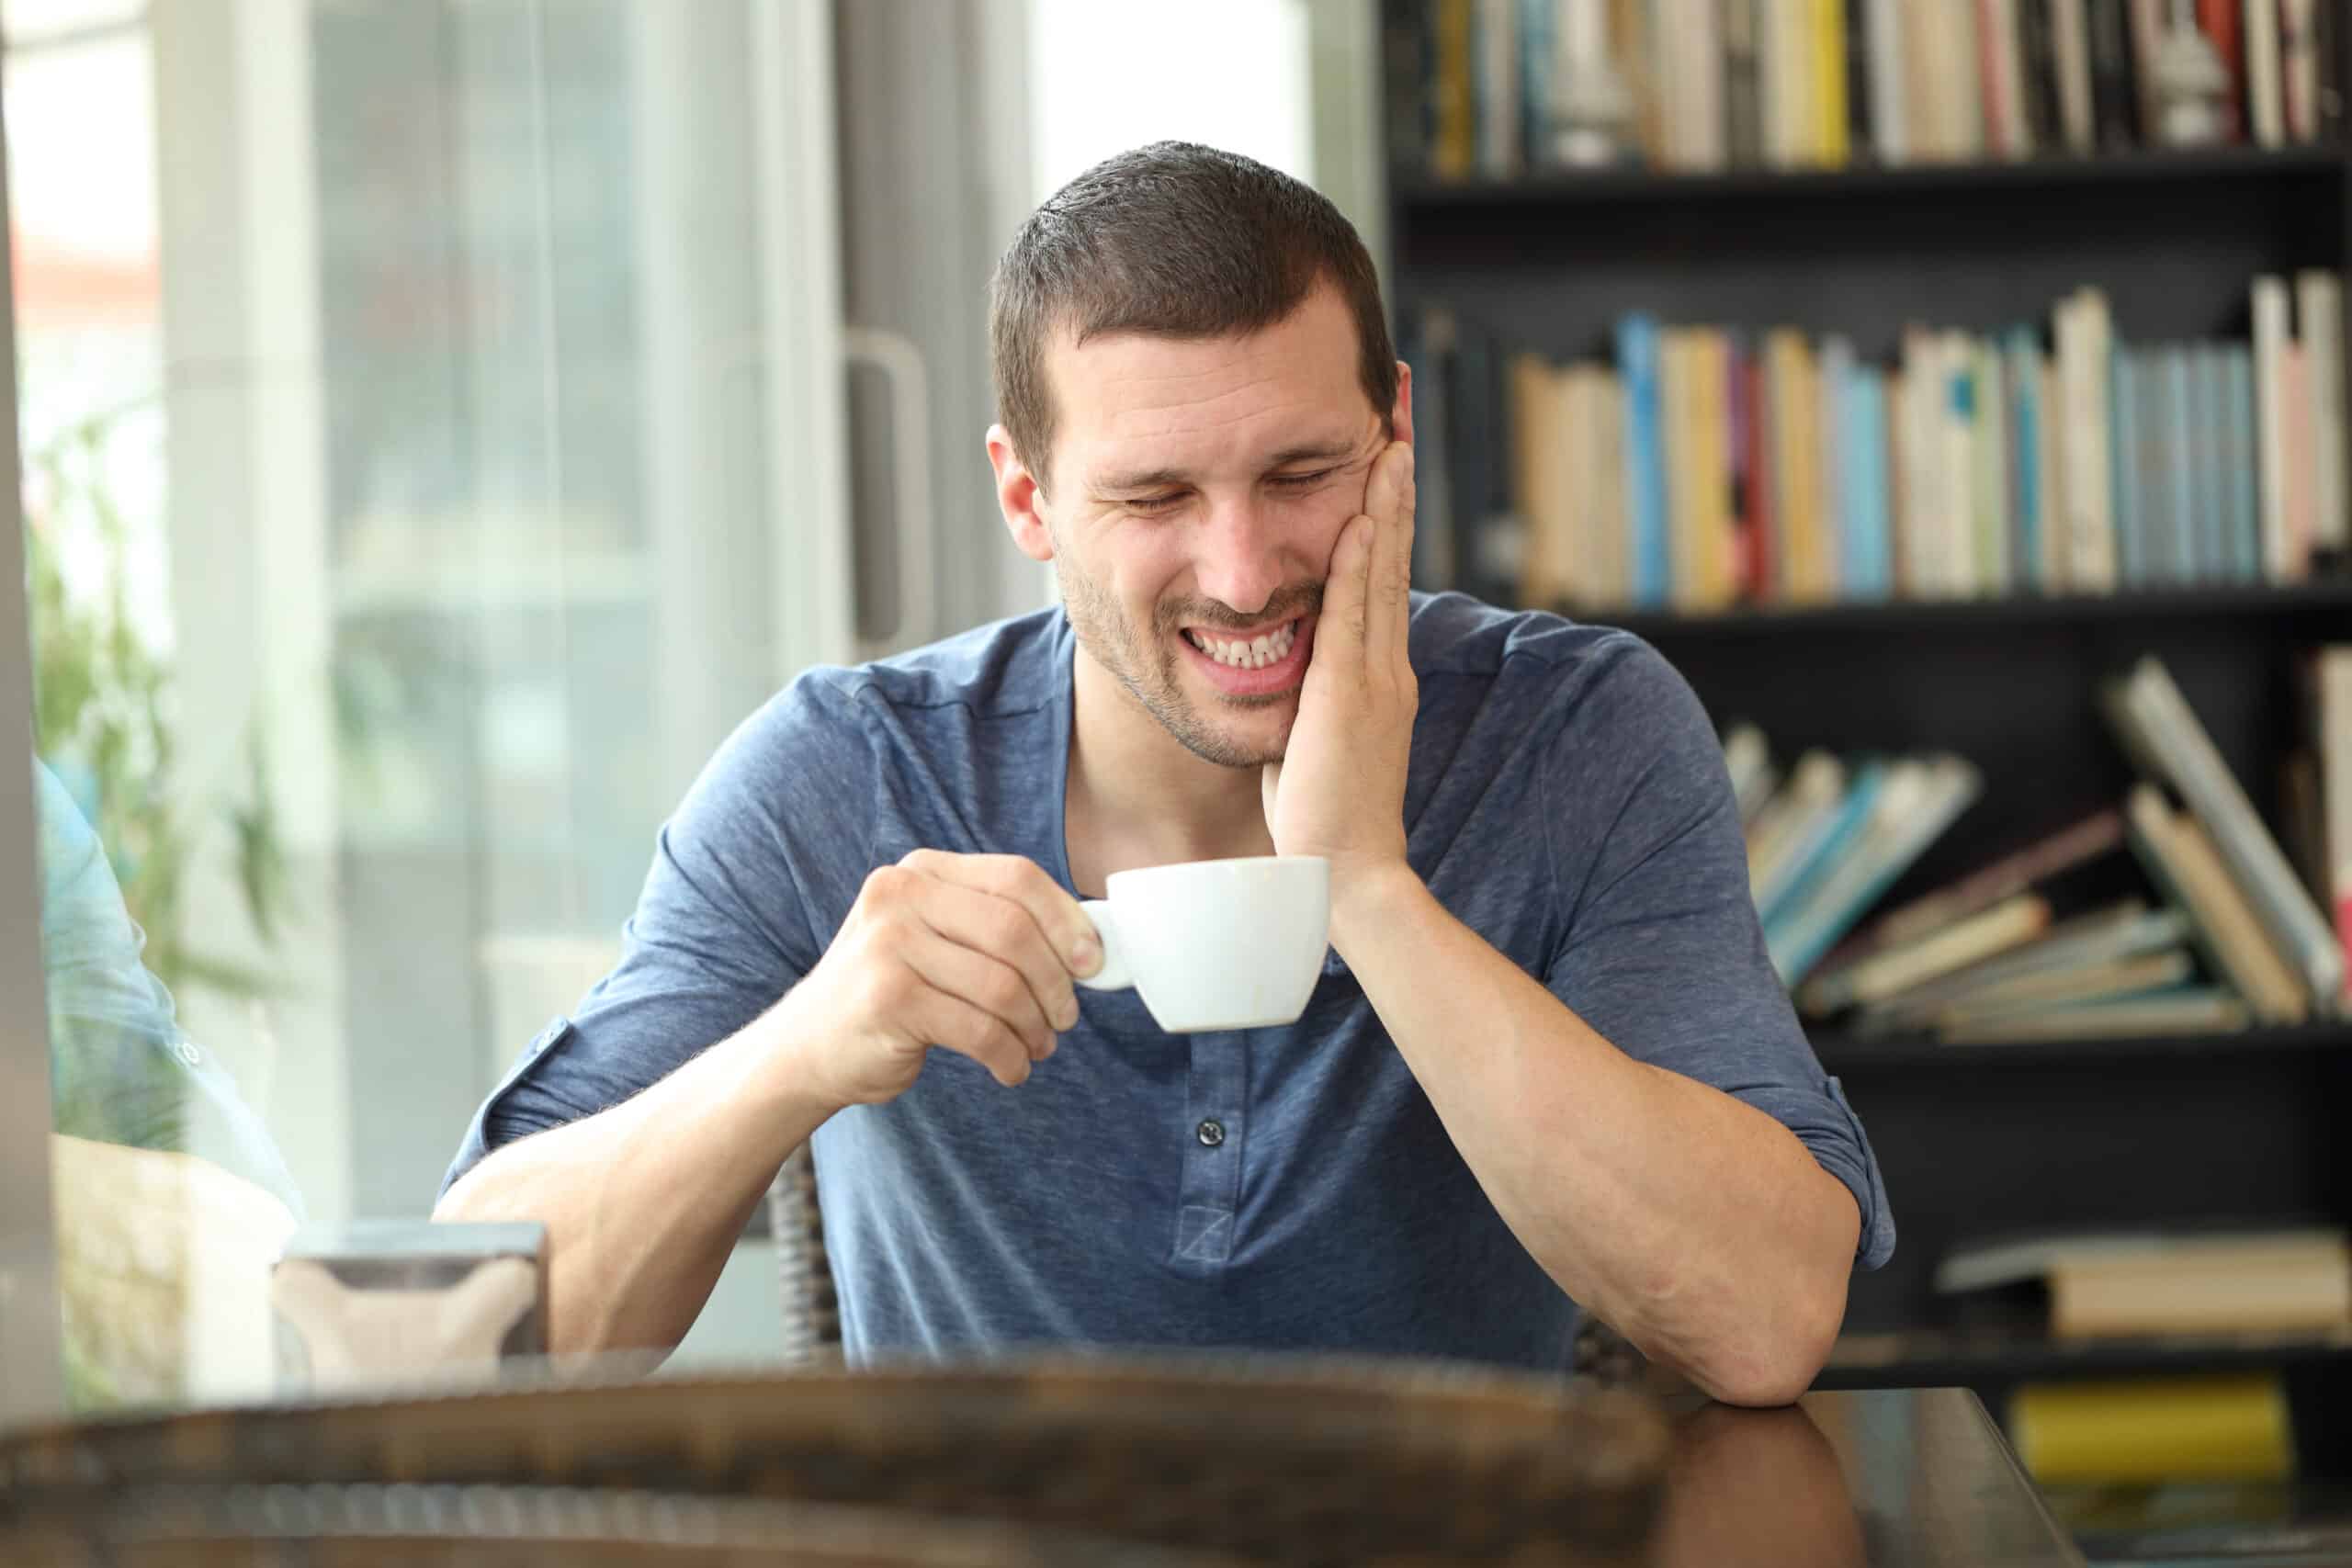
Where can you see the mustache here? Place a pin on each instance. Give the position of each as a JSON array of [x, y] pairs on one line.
[[1288, 605]]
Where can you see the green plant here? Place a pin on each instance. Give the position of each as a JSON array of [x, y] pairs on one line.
[[103, 718]]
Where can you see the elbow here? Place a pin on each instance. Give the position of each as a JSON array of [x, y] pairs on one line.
[[1781, 1351]]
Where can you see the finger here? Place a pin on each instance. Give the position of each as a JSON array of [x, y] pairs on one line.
[[1390, 569], [1061, 924], [1003, 931], [990, 984], [1341, 625], [954, 1024]]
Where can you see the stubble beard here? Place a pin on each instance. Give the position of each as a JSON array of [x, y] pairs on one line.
[[1147, 669]]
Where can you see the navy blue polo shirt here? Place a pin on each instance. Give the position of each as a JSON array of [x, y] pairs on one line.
[[1267, 1188]]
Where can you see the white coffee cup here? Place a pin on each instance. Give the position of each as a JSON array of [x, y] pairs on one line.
[[1217, 943]]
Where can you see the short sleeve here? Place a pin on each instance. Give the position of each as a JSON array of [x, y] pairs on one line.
[[750, 877], [1662, 953]]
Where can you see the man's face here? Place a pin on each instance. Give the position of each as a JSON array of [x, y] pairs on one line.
[[1197, 490]]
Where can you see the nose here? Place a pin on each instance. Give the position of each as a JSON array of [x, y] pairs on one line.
[[1238, 563]]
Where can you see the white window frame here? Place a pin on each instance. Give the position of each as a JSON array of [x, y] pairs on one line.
[[32, 1354]]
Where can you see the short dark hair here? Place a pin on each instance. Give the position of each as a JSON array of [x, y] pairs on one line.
[[1174, 240]]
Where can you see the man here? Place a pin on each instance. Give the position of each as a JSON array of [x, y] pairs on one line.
[[1547, 1062]]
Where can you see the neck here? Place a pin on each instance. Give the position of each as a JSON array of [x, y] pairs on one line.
[[1137, 798]]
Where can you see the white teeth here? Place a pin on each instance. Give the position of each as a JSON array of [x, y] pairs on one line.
[[1255, 654]]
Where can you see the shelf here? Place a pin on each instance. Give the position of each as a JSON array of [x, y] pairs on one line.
[[1976, 615], [1924, 1357], [1632, 187], [1843, 1055]]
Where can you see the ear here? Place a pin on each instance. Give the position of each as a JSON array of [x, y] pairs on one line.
[[1401, 416], [1017, 496]]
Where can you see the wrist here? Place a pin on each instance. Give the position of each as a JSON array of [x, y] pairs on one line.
[[1375, 900], [780, 1071]]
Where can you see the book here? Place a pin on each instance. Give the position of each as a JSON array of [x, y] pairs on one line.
[[1816, 848], [2241, 466], [2158, 727], [2110, 981], [2331, 721], [2071, 51], [2299, 67], [2154, 1432], [2084, 343], [1917, 800], [2080, 841], [2007, 924], [2186, 1011], [2319, 306], [2133, 469], [2270, 345], [2264, 88], [1637, 365], [2180, 860], [1815, 785], [2021, 382], [1748, 758], [2115, 933]]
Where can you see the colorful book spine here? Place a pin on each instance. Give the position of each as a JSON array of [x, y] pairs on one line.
[[1638, 363]]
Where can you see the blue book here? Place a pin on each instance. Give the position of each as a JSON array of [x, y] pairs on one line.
[[2023, 350], [1813, 860], [2205, 394], [1637, 366], [2241, 475], [1916, 801], [2180, 467], [2131, 564], [1869, 521], [2157, 494], [1535, 80]]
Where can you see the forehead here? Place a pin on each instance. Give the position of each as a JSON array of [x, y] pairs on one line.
[[1205, 405]]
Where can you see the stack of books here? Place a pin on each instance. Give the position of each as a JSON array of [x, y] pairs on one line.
[[1699, 468], [2227, 934], [1495, 89]]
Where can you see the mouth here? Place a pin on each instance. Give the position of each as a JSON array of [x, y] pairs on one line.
[[1261, 661]]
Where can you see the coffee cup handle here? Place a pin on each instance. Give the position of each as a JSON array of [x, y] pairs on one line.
[[1113, 974]]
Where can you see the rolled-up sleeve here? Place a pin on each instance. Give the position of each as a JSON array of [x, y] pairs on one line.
[[1663, 953]]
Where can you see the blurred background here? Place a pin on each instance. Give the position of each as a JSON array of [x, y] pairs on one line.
[[442, 421]]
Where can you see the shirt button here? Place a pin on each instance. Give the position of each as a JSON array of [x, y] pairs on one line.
[[186, 1052], [1210, 1133]]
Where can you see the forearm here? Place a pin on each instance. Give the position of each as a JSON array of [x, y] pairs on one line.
[[643, 1203], [1696, 1225]]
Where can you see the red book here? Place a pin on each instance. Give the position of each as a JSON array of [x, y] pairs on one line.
[[2219, 21], [1757, 459]]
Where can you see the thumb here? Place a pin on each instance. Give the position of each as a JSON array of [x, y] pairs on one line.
[[1270, 779]]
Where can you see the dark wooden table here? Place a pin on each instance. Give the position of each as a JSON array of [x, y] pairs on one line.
[[1886, 1478]]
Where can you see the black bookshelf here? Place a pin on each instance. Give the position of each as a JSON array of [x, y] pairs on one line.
[[1975, 1140], [2323, 600], [1420, 195], [1862, 1059]]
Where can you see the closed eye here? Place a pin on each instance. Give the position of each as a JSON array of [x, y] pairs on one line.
[[1302, 481], [1153, 506]]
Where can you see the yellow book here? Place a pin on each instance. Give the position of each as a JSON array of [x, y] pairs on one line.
[[1534, 448], [1828, 44], [1674, 374], [1801, 567], [1453, 151], [2154, 1430]]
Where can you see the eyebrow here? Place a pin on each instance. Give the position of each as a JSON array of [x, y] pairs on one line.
[[1154, 479]]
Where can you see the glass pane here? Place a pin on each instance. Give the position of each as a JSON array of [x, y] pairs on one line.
[[397, 490]]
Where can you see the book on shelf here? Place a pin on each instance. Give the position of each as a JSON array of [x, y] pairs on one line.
[[2008, 954], [1476, 87], [2156, 724], [2102, 954], [1825, 846], [2329, 706], [2155, 1431], [1698, 468], [2112, 1284]]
